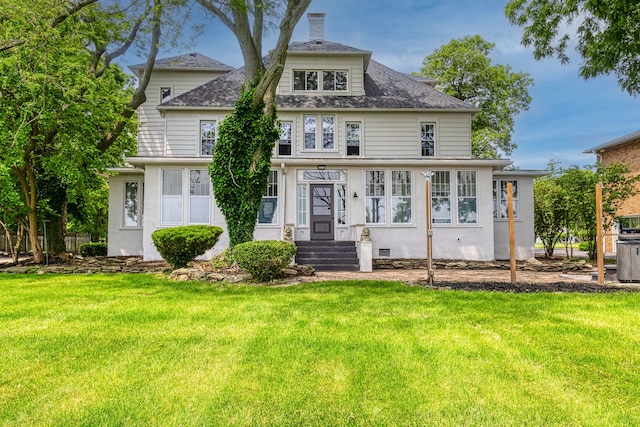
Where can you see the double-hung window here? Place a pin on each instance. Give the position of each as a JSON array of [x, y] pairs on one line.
[[353, 138], [467, 198], [309, 132], [441, 197], [500, 198], [375, 198], [268, 213], [401, 197], [207, 137], [327, 133], [171, 197], [428, 139], [132, 204], [199, 197], [324, 131], [285, 144]]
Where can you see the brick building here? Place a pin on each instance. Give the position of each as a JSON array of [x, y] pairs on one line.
[[622, 150]]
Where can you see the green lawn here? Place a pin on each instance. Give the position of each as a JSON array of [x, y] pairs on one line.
[[135, 350]]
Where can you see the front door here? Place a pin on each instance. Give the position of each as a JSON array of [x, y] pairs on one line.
[[321, 211]]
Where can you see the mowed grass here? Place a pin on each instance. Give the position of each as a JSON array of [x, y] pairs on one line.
[[136, 350]]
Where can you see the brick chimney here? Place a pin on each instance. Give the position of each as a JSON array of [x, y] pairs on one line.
[[316, 26]]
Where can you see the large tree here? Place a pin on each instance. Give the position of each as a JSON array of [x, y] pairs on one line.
[[604, 33], [65, 107], [464, 70], [242, 156]]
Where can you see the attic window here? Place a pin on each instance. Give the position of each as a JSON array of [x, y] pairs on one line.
[[332, 81]]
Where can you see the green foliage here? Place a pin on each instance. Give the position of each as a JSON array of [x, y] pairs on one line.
[[604, 33], [551, 212], [264, 259], [571, 200], [93, 249], [181, 245], [464, 70], [586, 246], [241, 165]]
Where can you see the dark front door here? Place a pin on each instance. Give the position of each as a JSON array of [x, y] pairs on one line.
[[321, 211]]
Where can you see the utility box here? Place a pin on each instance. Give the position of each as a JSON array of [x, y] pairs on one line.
[[628, 254]]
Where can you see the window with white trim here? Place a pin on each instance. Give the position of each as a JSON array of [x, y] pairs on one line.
[[302, 204], [441, 197], [309, 132], [172, 204], [285, 143], [165, 94], [305, 80], [353, 138], [268, 212], [199, 197], [500, 198], [467, 197], [207, 137], [309, 80], [131, 204], [401, 197], [327, 133], [428, 139], [342, 204], [334, 80], [375, 199]]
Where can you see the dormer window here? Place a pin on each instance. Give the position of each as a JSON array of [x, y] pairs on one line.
[[332, 81], [305, 80]]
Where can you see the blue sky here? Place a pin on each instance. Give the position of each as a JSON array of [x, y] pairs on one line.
[[567, 114]]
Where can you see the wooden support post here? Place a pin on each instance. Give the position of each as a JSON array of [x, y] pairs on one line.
[[512, 233], [429, 230], [599, 243]]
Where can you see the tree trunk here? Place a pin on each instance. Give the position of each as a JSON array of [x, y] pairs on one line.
[[36, 247]]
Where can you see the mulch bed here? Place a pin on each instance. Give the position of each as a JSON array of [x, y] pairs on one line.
[[580, 287]]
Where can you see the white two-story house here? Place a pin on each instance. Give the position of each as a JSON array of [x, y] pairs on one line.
[[356, 139]]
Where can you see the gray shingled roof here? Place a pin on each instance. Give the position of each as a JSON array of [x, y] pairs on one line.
[[384, 89], [618, 141], [189, 61]]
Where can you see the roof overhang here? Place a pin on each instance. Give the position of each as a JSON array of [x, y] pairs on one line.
[[633, 136], [327, 162], [522, 172]]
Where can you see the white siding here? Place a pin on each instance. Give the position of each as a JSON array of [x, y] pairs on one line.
[[387, 135], [524, 229], [122, 241], [151, 125]]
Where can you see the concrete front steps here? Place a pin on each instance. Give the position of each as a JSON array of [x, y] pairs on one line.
[[328, 255]]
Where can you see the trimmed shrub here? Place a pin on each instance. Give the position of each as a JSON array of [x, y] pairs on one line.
[[93, 249], [264, 259], [181, 245]]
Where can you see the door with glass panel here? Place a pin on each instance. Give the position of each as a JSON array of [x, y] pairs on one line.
[[322, 212]]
